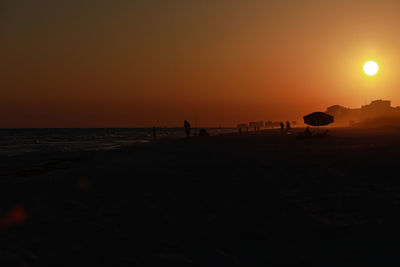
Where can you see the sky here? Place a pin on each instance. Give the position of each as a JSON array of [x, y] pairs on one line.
[[156, 63]]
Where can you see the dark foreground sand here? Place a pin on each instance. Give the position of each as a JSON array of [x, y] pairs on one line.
[[238, 200]]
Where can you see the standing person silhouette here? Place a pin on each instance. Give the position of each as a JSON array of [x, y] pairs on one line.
[[186, 124], [287, 126], [282, 126]]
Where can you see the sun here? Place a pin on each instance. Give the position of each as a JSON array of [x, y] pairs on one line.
[[371, 68]]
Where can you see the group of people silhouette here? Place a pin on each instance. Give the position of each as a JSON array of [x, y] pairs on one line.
[[187, 128]]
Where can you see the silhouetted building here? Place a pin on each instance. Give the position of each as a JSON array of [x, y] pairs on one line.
[[272, 124], [256, 125], [242, 126], [376, 109]]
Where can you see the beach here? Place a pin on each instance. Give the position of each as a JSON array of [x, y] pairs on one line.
[[251, 199]]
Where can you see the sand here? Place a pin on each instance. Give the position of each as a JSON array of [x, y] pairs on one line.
[[251, 199]]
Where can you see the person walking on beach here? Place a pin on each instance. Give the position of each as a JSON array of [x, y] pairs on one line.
[[186, 124], [154, 131], [282, 127]]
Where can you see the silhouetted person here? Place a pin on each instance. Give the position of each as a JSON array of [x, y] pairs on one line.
[[186, 124], [154, 132], [287, 125], [282, 126]]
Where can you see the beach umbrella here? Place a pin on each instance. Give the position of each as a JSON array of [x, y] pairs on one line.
[[318, 119]]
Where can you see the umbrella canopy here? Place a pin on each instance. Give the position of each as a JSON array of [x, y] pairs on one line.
[[318, 119]]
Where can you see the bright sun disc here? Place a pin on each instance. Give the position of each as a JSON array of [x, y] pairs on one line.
[[371, 68]]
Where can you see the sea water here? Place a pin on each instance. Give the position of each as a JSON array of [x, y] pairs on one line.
[[15, 142]]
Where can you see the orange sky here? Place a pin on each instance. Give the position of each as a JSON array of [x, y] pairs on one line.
[[144, 63]]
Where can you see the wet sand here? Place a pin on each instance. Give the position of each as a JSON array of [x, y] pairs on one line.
[[251, 199]]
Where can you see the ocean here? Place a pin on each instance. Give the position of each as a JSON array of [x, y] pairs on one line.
[[14, 142]]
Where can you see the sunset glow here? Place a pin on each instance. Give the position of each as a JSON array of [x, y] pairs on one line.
[[145, 63]]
